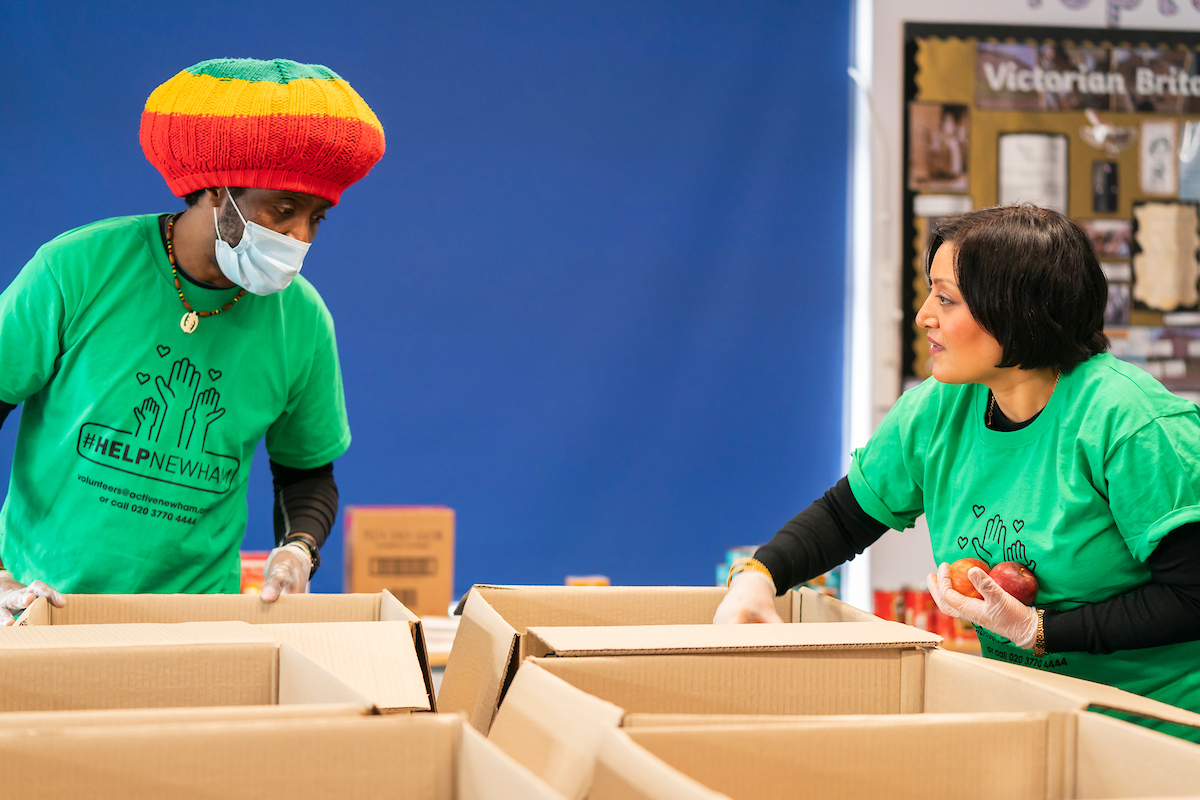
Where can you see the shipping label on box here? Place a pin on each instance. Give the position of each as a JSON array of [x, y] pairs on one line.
[[407, 550]]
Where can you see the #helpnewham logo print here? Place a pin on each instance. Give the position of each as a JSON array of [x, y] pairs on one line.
[[170, 437]]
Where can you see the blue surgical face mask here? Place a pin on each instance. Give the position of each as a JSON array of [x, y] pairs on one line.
[[264, 261]]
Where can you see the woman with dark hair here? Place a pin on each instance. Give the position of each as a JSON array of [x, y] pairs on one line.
[[1032, 444]]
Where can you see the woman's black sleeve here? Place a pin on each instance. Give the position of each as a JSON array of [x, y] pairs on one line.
[[5, 410], [831, 531], [306, 501], [1164, 611]]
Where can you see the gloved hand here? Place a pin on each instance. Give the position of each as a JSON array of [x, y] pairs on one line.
[[16, 596], [751, 598], [998, 611], [287, 572]]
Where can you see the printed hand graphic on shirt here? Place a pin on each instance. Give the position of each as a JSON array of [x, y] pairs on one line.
[[178, 393], [203, 410], [1016, 552], [992, 546], [148, 412], [168, 438]]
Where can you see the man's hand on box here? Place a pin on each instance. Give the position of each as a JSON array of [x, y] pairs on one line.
[[751, 598], [287, 572], [16, 596]]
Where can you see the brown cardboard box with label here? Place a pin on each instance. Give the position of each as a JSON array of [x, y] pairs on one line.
[[407, 550]]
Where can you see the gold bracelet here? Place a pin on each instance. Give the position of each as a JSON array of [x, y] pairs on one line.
[[747, 565], [1039, 641]]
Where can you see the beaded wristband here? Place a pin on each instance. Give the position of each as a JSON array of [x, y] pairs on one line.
[[747, 565]]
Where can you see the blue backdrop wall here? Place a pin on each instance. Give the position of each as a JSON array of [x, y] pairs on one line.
[[593, 295]]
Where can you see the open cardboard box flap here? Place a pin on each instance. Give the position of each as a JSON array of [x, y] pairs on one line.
[[954, 675], [489, 644], [375, 658], [697, 639], [379, 661], [422, 757]]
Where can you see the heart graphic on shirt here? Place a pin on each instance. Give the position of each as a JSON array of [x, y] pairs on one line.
[[214, 374], [163, 350], [978, 511], [142, 378], [962, 543], [1018, 524]]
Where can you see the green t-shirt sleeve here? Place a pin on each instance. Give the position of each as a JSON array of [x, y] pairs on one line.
[[1153, 481], [32, 311], [884, 474], [313, 429]]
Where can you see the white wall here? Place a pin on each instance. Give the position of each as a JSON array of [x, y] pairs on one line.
[[873, 371]]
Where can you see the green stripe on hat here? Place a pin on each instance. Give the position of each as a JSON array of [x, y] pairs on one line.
[[279, 70]]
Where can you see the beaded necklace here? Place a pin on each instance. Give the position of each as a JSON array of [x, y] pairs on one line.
[[191, 319]]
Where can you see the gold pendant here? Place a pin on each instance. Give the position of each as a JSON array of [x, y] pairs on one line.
[[189, 322]]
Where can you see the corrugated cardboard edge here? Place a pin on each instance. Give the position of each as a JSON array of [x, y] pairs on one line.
[[788, 604], [553, 729], [391, 609], [480, 665], [55, 720], [487, 773], [626, 771], [717, 639]]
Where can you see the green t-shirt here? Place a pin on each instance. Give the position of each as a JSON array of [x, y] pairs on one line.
[[134, 448], [1082, 496]]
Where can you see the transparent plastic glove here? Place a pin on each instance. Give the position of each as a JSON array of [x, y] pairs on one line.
[[751, 598], [287, 572], [16, 597], [998, 611]]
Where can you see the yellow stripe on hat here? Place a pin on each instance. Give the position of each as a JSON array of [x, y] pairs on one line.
[[205, 95]]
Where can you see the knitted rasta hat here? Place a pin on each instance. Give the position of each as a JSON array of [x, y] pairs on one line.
[[260, 124]]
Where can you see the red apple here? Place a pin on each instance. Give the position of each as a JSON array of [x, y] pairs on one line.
[[958, 576], [1017, 580]]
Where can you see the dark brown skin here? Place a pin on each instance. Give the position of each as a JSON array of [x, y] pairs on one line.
[[194, 240]]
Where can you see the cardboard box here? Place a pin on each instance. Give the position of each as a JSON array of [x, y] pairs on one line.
[[929, 757], [557, 709], [159, 666], [490, 642], [370, 641], [419, 757], [407, 550]]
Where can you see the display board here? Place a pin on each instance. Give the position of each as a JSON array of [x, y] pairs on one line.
[[1102, 125]]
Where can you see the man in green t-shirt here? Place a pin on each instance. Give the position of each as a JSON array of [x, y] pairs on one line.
[[153, 353]]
